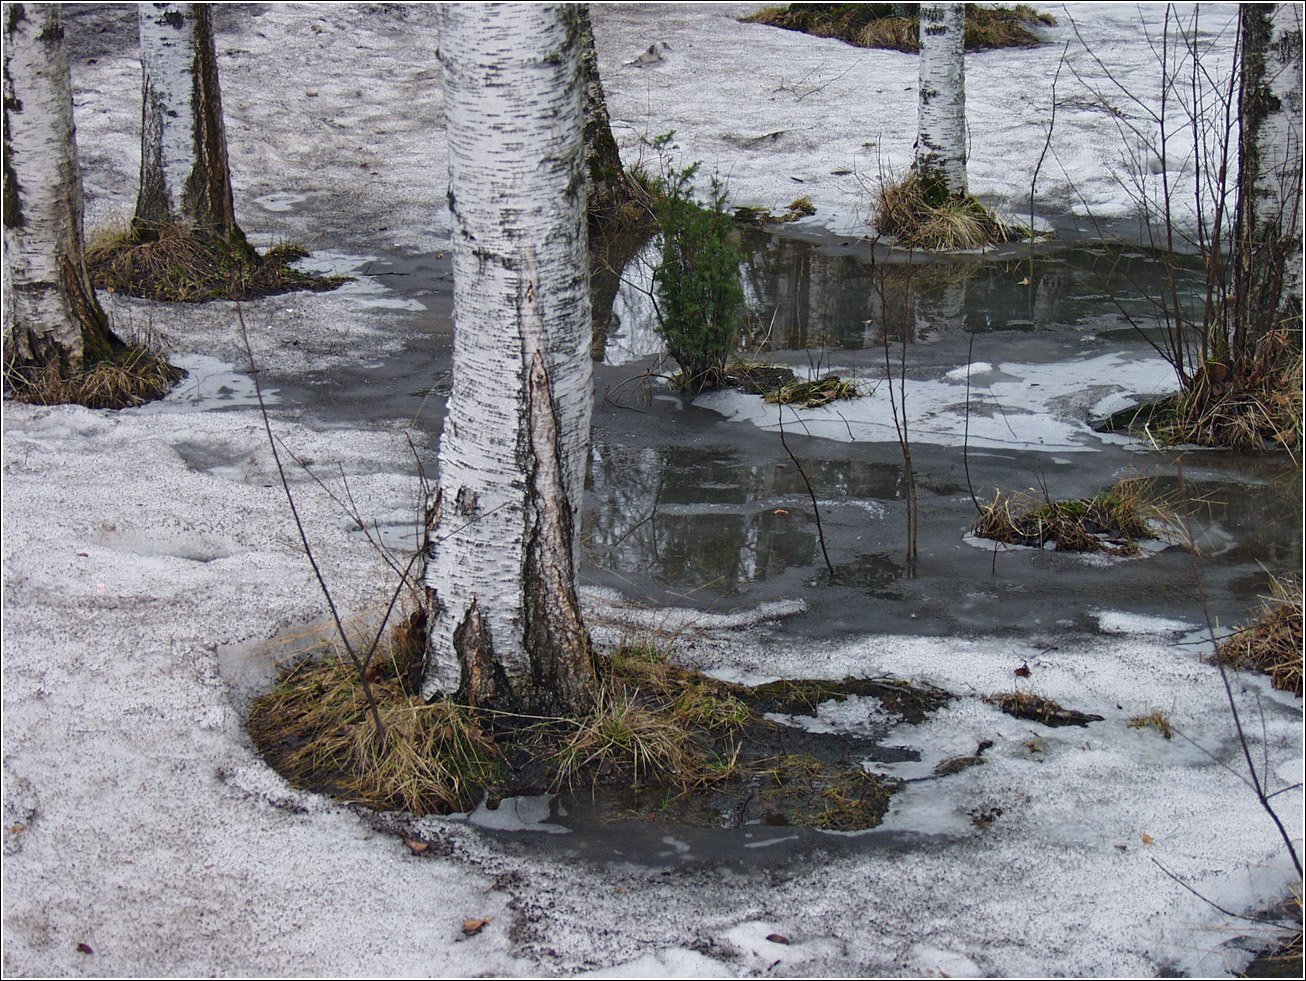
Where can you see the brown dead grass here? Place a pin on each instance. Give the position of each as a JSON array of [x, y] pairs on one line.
[[132, 375], [897, 26], [1114, 520], [1252, 406], [1272, 642], [171, 266], [903, 209]]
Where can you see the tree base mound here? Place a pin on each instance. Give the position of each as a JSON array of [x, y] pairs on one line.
[[1272, 643], [133, 374], [663, 743], [169, 265], [932, 222], [1253, 407], [896, 26]]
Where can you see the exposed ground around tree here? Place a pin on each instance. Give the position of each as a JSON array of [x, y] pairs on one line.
[[148, 557]]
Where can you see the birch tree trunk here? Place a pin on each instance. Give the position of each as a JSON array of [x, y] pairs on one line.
[[52, 320], [185, 179], [606, 180], [1268, 258], [941, 140], [505, 629]]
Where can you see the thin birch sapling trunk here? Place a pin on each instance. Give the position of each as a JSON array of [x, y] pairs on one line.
[[185, 178], [504, 623], [52, 320], [941, 141]]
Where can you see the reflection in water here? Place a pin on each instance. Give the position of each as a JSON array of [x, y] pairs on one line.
[[700, 518], [803, 295]]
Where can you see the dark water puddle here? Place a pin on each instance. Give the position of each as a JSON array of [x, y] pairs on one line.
[[846, 295], [687, 508], [804, 774]]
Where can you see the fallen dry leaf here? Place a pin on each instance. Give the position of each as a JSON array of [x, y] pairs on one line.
[[472, 927], [1147, 839], [416, 847]]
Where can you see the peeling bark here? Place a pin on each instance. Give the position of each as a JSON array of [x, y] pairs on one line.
[[505, 627], [51, 315], [941, 141], [1268, 247], [185, 178]]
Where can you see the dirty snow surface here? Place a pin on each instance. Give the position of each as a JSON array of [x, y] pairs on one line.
[[149, 558]]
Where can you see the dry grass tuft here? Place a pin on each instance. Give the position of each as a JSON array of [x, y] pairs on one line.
[[169, 265], [132, 375], [624, 737], [1157, 720], [1257, 405], [896, 26], [1272, 643], [919, 219], [812, 394], [315, 729], [1114, 520]]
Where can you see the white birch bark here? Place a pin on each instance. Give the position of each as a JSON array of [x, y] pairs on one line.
[[51, 315], [1269, 265], [185, 178], [504, 624], [941, 139]]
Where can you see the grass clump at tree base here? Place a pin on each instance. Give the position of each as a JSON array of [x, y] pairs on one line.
[[663, 742], [165, 263], [132, 374], [921, 216], [897, 25], [1253, 405], [1113, 520], [1272, 643]]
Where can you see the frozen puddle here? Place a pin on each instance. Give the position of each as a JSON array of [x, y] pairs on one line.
[[1013, 406], [209, 384]]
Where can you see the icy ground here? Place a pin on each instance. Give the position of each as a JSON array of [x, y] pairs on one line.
[[142, 551]]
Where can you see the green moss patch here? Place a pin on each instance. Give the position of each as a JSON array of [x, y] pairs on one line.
[[897, 25], [798, 208], [812, 394]]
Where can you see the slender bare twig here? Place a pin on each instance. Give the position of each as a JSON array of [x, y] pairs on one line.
[[1253, 777], [360, 664], [820, 533], [1208, 901]]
